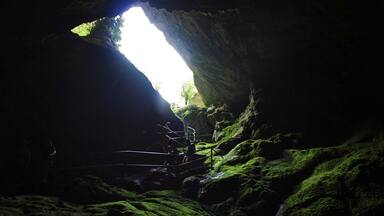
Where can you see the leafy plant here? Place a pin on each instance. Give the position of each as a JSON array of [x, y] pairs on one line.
[[188, 91], [107, 29]]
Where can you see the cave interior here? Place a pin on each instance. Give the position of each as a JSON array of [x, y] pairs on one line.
[[291, 121]]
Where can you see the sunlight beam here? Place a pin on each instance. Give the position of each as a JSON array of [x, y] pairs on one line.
[[146, 47]]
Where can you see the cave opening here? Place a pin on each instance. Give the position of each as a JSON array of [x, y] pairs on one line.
[[294, 123], [144, 45]]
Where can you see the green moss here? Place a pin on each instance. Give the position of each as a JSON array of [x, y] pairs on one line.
[[169, 203], [220, 187], [204, 149], [323, 207], [369, 199], [91, 189], [7, 211], [164, 206], [324, 183], [244, 127], [190, 111], [328, 178], [119, 208], [232, 131], [252, 165], [153, 203], [249, 149], [122, 202], [228, 138], [37, 205], [338, 179], [300, 162], [244, 158], [162, 193], [252, 191], [330, 181]]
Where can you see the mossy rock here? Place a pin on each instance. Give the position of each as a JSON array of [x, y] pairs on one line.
[[165, 203], [326, 206], [7, 211], [190, 186], [37, 205], [220, 114], [227, 133], [153, 203], [229, 130], [250, 150], [317, 181], [344, 184], [226, 145], [196, 117], [92, 189], [219, 188]]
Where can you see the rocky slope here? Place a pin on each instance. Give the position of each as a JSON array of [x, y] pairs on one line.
[[281, 175]]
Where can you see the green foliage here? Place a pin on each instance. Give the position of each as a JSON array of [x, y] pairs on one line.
[[157, 86], [107, 29], [175, 107], [188, 91], [188, 111], [84, 29]]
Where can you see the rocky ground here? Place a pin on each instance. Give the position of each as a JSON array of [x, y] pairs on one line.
[[259, 174], [252, 174], [91, 196]]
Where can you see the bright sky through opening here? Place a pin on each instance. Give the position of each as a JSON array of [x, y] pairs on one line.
[[146, 47]]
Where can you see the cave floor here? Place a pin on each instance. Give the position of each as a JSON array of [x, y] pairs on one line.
[[149, 203]]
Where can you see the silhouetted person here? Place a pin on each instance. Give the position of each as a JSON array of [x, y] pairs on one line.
[[191, 149]]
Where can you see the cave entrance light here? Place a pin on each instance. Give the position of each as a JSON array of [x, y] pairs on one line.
[[146, 47]]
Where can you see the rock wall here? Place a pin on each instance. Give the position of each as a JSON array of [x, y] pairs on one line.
[[311, 62], [85, 97]]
